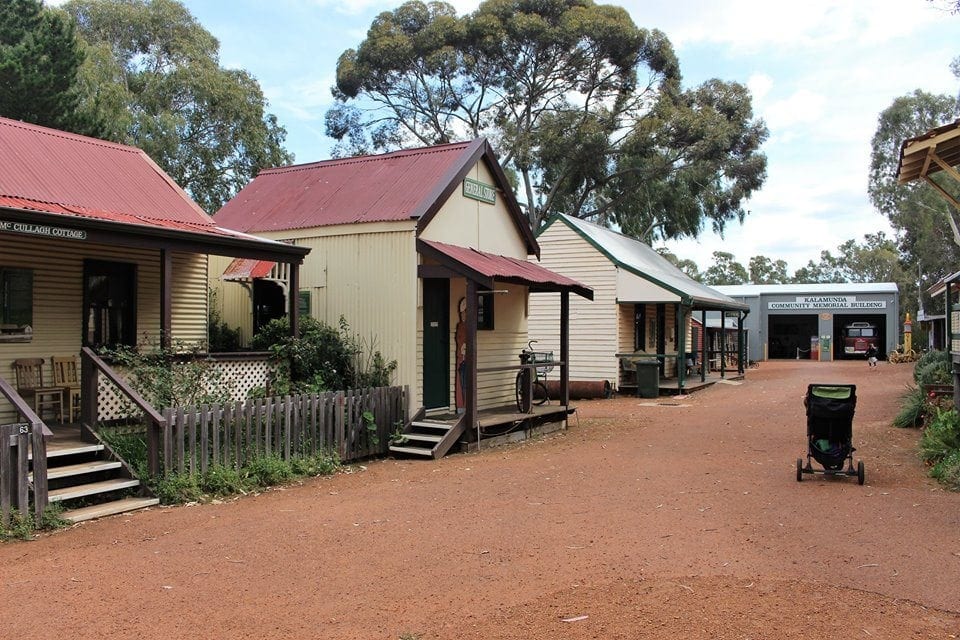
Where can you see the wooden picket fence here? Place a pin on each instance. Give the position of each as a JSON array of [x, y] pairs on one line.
[[355, 424]]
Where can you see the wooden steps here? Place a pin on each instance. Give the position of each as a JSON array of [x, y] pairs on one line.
[[426, 438], [108, 509], [88, 479]]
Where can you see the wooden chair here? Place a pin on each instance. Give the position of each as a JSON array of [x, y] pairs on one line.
[[30, 385], [66, 375]]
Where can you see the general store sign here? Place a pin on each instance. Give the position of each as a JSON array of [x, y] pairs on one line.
[[479, 191], [42, 230], [805, 303]]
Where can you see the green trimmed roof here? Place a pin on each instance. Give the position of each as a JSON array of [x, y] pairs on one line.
[[641, 260]]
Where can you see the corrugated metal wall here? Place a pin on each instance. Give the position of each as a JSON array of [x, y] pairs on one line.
[[58, 296], [593, 325], [231, 299]]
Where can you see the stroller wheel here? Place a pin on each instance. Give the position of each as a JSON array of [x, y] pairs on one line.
[[860, 476], [800, 470]]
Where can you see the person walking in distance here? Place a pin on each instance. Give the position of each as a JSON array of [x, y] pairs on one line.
[[872, 356]]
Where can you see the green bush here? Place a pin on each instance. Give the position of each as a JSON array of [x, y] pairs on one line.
[[913, 409], [177, 489], [947, 470], [131, 447], [926, 359], [941, 438], [23, 527], [267, 471], [321, 358], [323, 463], [933, 372], [222, 481], [173, 377]]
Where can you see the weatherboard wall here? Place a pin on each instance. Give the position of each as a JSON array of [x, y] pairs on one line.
[[593, 325], [468, 222], [58, 297]]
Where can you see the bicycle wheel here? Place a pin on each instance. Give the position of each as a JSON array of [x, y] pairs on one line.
[[539, 393], [519, 392]]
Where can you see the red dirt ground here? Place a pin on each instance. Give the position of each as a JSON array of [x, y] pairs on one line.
[[674, 520]]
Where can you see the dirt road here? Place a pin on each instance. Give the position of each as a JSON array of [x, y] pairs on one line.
[[681, 519]]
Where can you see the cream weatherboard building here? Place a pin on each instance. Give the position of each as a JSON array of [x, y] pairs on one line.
[[99, 247], [403, 245], [642, 304]]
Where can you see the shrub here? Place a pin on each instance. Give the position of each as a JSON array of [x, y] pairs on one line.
[[941, 438], [267, 470], [321, 358], [177, 488], [131, 447], [323, 463], [222, 481], [928, 358], [221, 337], [173, 377], [947, 470], [913, 409], [23, 527], [933, 372]]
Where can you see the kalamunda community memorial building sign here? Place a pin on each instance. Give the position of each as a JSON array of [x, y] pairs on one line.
[[807, 303], [810, 320]]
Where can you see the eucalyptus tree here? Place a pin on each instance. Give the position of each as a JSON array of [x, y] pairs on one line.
[[725, 270], [153, 73], [585, 110]]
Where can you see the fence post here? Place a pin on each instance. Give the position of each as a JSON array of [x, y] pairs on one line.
[[339, 408]]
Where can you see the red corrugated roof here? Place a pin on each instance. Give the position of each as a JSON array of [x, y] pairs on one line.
[[505, 268], [392, 186], [247, 269], [52, 171]]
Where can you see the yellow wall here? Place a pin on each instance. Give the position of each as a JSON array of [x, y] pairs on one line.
[[470, 223], [368, 274], [58, 296], [593, 325]]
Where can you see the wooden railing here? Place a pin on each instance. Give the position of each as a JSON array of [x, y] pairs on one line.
[[14, 464], [91, 366]]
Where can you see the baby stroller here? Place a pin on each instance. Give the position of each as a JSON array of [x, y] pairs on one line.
[[830, 409]]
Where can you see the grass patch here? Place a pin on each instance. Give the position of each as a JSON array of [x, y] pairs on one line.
[[24, 527]]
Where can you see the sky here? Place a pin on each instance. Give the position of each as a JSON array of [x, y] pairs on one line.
[[820, 72]]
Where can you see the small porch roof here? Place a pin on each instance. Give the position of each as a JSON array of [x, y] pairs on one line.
[[485, 268], [246, 269]]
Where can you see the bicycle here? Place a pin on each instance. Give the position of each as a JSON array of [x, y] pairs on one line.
[[539, 387]]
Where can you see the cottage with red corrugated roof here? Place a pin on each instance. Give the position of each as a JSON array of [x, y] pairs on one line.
[[426, 252], [98, 248]]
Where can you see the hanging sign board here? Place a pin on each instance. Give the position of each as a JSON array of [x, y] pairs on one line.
[[479, 191], [42, 230], [827, 302]]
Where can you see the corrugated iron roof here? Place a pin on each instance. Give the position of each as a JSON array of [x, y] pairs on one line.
[[387, 187], [57, 172], [505, 268], [643, 261], [243, 269]]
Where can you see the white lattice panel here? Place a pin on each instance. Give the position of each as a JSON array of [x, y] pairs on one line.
[[240, 376]]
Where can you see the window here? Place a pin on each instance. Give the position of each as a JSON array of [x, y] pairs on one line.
[[304, 304], [485, 309], [109, 304], [639, 328], [16, 304]]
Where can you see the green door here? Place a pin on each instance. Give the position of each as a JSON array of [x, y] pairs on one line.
[[436, 343]]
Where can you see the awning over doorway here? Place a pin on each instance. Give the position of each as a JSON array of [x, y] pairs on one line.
[[485, 268], [245, 270]]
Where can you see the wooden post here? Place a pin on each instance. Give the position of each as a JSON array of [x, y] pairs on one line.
[[703, 346], [681, 346], [723, 343], [740, 343], [293, 300], [88, 393], [166, 298], [565, 348], [470, 388]]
